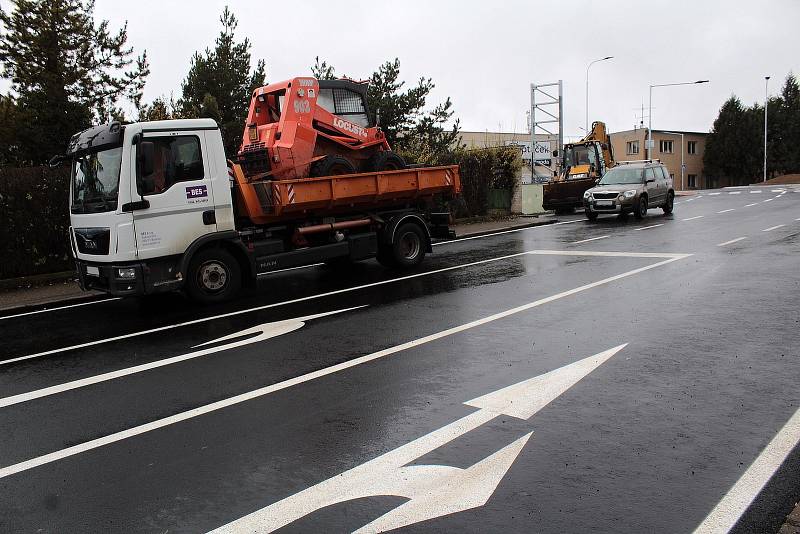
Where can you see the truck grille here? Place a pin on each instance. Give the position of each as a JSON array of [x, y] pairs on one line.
[[94, 241]]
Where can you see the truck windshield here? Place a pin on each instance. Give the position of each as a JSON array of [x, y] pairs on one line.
[[622, 175], [95, 181]]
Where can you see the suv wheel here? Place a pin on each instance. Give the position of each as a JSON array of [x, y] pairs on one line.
[[641, 210], [669, 205], [591, 215]]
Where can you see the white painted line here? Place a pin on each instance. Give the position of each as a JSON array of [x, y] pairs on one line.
[[778, 190], [648, 227], [45, 310], [731, 241], [773, 228], [768, 200], [264, 331], [695, 217], [254, 309], [755, 192], [590, 239], [459, 239], [277, 304], [726, 211], [797, 219], [714, 194], [224, 403], [728, 511], [259, 275], [753, 204], [735, 193]]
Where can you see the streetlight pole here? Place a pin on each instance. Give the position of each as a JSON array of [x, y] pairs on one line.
[[650, 113], [766, 103], [587, 86]]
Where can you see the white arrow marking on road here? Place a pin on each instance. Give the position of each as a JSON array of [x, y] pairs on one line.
[[432, 490], [264, 331]]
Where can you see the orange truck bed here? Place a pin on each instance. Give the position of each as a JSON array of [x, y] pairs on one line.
[[268, 201]]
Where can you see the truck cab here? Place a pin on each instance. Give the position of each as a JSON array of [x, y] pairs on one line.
[[140, 196]]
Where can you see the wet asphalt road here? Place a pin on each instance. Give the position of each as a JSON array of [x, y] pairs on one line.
[[172, 436]]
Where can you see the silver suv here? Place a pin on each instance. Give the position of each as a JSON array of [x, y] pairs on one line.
[[631, 186]]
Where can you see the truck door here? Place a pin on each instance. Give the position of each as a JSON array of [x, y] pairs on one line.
[[175, 178]]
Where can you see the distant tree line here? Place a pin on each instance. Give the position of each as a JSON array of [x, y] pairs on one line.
[[735, 145]]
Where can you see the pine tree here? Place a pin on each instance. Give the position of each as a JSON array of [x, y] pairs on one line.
[[784, 124], [220, 82], [66, 72], [322, 71]]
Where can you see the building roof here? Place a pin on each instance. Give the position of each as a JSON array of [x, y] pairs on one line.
[[660, 131]]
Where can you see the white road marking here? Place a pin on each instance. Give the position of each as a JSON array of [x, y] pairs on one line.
[[695, 217], [778, 190], [755, 192], [728, 511], [731, 241], [773, 228], [714, 194], [224, 403], [257, 308], [648, 227], [590, 239], [798, 219], [726, 211], [768, 200], [735, 193], [45, 310], [459, 239], [432, 490], [259, 275], [264, 331], [748, 205]]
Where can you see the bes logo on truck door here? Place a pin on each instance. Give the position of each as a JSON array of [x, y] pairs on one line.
[[197, 193]]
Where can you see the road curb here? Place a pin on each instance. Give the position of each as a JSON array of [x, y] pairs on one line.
[[23, 282]]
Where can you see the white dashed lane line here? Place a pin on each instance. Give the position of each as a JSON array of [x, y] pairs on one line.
[[695, 217], [753, 204], [726, 211], [648, 227], [773, 228], [714, 194], [731, 241], [755, 192], [735, 193]]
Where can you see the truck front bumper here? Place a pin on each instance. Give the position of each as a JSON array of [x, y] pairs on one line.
[[128, 278]]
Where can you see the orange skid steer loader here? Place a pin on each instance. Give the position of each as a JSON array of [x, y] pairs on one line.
[[305, 127]]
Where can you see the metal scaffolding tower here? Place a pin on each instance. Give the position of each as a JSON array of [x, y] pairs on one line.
[[546, 112]]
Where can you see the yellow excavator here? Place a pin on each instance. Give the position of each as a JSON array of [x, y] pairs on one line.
[[582, 164]]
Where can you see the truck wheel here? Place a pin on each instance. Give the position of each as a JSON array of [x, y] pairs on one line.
[[332, 165], [214, 275], [641, 209], [669, 205], [591, 215], [408, 248], [386, 160]]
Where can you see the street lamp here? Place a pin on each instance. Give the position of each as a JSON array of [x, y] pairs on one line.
[[650, 113], [587, 87], [766, 103]]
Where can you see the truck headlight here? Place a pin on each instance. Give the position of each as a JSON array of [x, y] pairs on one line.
[[587, 194], [127, 273], [630, 194]]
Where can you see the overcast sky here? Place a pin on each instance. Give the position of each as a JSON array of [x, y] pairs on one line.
[[485, 54]]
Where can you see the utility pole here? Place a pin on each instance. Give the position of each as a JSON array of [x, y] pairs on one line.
[[766, 103]]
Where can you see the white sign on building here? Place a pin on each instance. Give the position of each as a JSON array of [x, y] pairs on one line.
[[542, 151]]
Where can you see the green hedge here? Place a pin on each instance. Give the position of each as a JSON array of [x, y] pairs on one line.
[[482, 170], [34, 218]]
